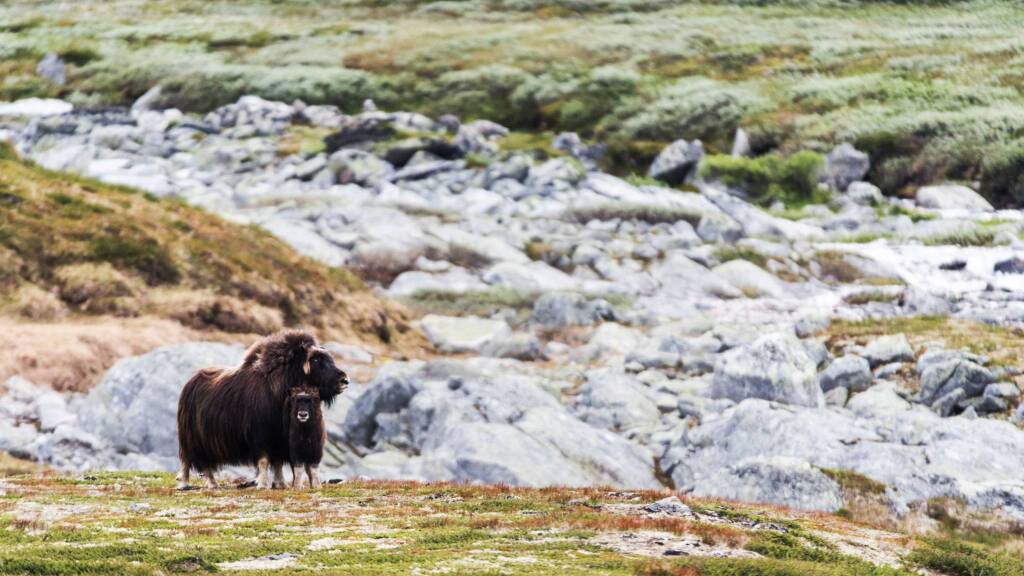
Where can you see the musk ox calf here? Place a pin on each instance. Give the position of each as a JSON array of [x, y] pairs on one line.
[[304, 422], [232, 416]]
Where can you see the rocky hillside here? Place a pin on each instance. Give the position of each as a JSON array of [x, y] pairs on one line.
[[137, 524], [906, 80], [78, 249]]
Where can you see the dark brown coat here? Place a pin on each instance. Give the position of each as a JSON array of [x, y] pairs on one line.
[[305, 425], [230, 416]]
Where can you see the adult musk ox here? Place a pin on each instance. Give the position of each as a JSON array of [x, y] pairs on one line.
[[232, 416]]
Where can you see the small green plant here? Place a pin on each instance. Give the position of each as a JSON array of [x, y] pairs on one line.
[[770, 178], [726, 253], [866, 297], [970, 237]]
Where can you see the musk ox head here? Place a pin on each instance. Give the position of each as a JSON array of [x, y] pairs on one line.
[[324, 375], [303, 403]]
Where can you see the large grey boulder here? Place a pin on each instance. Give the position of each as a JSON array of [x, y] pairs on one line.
[[864, 194], [845, 164], [938, 379], [616, 402], [388, 395], [976, 460], [776, 367], [558, 310], [496, 453], [457, 421], [850, 372], [677, 162], [778, 480], [951, 197], [134, 407]]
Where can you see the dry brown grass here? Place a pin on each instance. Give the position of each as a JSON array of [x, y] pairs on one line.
[[73, 355]]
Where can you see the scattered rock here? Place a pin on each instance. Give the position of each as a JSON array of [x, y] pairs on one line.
[[850, 372], [864, 194], [886, 349], [51, 67], [558, 310], [677, 163], [1013, 265], [951, 197], [845, 165], [671, 506]]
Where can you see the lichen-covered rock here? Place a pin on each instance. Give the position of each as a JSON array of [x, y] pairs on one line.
[[774, 367], [779, 480]]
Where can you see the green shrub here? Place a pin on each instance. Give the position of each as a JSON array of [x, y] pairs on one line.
[[958, 558], [145, 256], [793, 180], [486, 92], [692, 107], [1002, 176]]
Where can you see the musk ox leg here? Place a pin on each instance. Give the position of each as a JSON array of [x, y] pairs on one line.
[[296, 477], [182, 477], [262, 474], [211, 478], [313, 471], [279, 476]]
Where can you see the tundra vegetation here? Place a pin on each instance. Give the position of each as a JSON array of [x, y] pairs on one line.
[[386, 527], [931, 90]]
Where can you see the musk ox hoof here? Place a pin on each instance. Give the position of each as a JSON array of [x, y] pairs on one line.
[[278, 485], [245, 484], [183, 487]]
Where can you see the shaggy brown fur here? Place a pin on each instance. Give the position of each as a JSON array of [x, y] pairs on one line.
[[304, 421], [233, 415]]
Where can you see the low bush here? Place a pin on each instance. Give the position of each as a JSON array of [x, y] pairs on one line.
[[793, 180], [692, 107], [959, 558], [626, 211]]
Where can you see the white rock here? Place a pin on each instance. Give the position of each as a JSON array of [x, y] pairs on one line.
[[951, 197], [750, 278], [462, 334], [35, 107]]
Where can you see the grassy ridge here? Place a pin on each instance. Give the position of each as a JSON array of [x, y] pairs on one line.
[[70, 244], [135, 523], [931, 89]]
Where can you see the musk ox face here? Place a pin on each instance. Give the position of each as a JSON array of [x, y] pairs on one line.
[[329, 380], [304, 401]]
